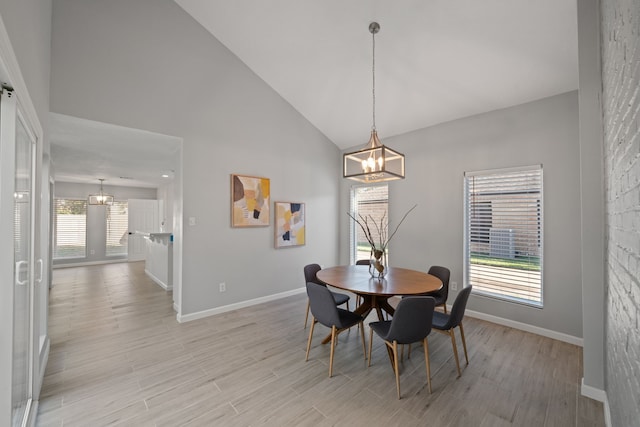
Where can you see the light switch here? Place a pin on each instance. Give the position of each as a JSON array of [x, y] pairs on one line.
[[192, 220]]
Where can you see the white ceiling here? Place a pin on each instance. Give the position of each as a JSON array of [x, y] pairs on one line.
[[84, 150], [436, 61]]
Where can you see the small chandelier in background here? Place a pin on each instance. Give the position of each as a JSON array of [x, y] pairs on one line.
[[374, 163], [100, 198]]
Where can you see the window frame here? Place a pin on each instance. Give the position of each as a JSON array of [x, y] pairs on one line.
[[353, 231], [115, 204], [501, 295], [55, 228]]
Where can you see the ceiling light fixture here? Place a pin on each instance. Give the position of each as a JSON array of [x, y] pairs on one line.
[[101, 198], [375, 163]]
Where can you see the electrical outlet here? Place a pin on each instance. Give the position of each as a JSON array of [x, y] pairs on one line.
[[192, 220], [454, 286], [92, 252], [223, 287]]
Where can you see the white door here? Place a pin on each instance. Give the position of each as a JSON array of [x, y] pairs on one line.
[[143, 217], [18, 169]]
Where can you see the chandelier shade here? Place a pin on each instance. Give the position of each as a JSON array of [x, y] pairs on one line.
[[101, 198], [375, 162]]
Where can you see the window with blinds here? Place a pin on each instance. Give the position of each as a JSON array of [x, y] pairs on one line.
[[371, 202], [70, 228], [117, 228], [503, 234]]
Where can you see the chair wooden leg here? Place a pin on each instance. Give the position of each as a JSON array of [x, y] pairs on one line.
[[445, 307], [370, 345], [395, 365], [425, 344], [455, 350], [409, 351], [333, 347], [364, 344], [313, 322], [306, 316], [464, 343]]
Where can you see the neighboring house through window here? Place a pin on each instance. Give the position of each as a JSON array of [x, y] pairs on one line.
[[503, 234]]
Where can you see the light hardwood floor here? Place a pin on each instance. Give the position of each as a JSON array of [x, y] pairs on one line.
[[118, 357]]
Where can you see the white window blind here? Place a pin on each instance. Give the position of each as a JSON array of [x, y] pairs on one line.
[[366, 201], [117, 228], [70, 232], [503, 234]]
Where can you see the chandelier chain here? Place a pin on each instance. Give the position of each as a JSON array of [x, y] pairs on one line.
[[373, 73]]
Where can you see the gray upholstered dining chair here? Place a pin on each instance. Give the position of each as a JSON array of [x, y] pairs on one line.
[[441, 295], [411, 323], [310, 272], [325, 311], [446, 323]]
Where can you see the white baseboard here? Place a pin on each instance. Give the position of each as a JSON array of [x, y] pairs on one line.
[[592, 392], [87, 263], [235, 306], [158, 281], [525, 327], [488, 317], [607, 413], [600, 396]]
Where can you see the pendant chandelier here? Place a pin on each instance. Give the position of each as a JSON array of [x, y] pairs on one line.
[[374, 163], [100, 198]]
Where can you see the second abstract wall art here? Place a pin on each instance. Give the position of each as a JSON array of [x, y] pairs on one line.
[[289, 224]]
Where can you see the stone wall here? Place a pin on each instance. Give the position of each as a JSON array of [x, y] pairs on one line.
[[620, 34]]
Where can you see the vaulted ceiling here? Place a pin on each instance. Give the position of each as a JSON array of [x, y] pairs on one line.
[[436, 61]]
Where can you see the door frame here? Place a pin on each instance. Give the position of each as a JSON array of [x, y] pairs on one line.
[[11, 77]]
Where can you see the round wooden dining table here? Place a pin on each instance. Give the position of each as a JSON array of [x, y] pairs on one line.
[[376, 292]]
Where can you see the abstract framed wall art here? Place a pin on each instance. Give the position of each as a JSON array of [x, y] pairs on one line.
[[250, 201], [289, 224]]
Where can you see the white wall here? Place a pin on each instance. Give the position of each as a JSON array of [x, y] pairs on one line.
[[592, 196], [28, 23], [542, 132], [148, 65]]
